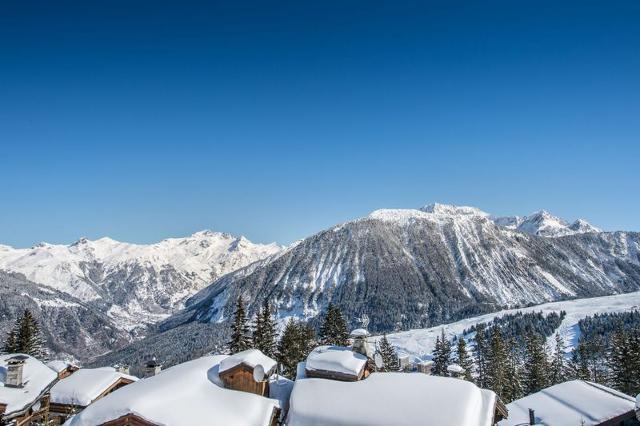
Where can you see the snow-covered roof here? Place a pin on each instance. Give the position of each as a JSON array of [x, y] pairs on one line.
[[359, 332], [36, 377], [186, 394], [338, 359], [85, 385], [58, 365], [574, 402], [391, 399], [250, 358]]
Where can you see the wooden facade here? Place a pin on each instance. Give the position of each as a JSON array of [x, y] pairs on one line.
[[133, 420], [67, 372], [38, 412], [240, 378]]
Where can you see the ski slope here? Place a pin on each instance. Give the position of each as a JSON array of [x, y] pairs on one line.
[[419, 343]]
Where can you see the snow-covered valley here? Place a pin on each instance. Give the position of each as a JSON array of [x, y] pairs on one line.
[[419, 343]]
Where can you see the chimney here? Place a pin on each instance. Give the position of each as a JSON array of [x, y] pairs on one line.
[[360, 344], [122, 368], [152, 367], [532, 417], [15, 366]]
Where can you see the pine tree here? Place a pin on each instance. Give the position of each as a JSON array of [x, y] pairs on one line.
[[441, 355], [10, 345], [579, 365], [295, 344], [240, 329], [558, 367], [264, 336], [26, 337], [334, 328], [497, 363], [389, 355], [620, 363], [536, 363], [306, 340], [30, 338], [480, 352], [513, 371], [463, 360]]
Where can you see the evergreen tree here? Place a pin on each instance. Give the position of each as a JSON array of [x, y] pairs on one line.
[[264, 336], [10, 345], [30, 338], [334, 328], [25, 337], [306, 340], [620, 363], [513, 371], [296, 342], [463, 360], [558, 367], [536, 363], [240, 329], [441, 355], [579, 365], [389, 355], [497, 363], [480, 351]]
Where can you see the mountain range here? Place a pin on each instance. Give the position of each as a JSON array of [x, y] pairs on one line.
[[403, 268]]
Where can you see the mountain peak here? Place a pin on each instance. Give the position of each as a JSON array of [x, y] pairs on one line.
[[452, 210]]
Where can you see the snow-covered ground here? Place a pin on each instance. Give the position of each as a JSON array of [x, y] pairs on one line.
[[419, 343]]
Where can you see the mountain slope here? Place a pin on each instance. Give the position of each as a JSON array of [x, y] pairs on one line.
[[70, 326], [417, 268], [134, 284]]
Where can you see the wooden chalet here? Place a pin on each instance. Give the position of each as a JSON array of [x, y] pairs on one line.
[[63, 368], [72, 394], [24, 396], [188, 394], [337, 363], [238, 372]]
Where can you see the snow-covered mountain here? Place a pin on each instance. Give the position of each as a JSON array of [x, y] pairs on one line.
[[413, 268], [544, 224], [134, 284]]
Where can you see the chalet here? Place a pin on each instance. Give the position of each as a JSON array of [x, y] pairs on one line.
[[247, 371], [152, 367], [62, 368], [24, 384], [574, 402], [425, 367], [392, 399], [455, 370], [74, 393], [336, 363], [192, 393]]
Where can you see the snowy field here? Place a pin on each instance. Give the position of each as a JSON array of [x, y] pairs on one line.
[[419, 343]]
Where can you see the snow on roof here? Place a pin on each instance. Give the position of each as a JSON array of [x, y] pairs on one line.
[[574, 402], [336, 358], [251, 358], [36, 376], [391, 399], [85, 385], [59, 365], [359, 332], [186, 394], [427, 362]]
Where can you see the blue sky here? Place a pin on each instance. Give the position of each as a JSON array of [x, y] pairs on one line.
[[143, 120]]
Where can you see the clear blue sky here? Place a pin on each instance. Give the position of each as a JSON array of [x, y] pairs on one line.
[[143, 120]]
